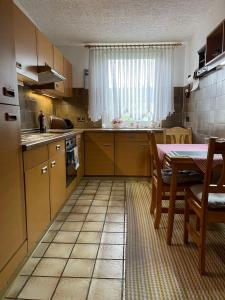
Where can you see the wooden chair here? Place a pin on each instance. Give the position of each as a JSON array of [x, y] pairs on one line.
[[207, 201], [161, 179], [177, 135]]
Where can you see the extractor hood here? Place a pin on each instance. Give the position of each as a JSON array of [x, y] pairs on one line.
[[48, 75]]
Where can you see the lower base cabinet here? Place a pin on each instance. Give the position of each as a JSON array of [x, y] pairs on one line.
[[37, 202]]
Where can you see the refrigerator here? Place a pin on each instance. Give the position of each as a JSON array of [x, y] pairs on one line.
[[12, 200]]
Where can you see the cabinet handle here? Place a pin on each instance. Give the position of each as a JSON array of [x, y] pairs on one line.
[[58, 147], [106, 145], [56, 85], [10, 117], [18, 65], [44, 170], [8, 92], [53, 163]]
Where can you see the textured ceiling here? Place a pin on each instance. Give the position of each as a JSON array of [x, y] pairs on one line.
[[69, 22]]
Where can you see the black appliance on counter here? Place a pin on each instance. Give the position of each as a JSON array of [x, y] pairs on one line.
[[71, 172]]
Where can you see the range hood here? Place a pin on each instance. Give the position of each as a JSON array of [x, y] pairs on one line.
[[48, 75]]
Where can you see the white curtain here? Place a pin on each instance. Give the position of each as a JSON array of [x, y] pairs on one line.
[[134, 84]]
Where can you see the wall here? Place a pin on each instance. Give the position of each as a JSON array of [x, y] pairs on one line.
[[30, 106]]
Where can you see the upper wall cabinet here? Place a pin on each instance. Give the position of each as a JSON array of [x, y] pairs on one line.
[[67, 73], [58, 60], [8, 84], [44, 50], [215, 43], [26, 47]]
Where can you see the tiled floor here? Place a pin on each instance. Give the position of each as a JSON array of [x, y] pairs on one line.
[[82, 256]]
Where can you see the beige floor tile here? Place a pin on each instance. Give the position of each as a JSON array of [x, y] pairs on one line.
[[72, 226], [85, 251], [95, 217], [29, 266], [83, 203], [116, 203], [115, 210], [114, 218], [105, 289], [72, 199], [59, 250], [77, 192], [103, 192], [39, 288], [110, 252], [105, 186], [92, 226], [97, 209], [80, 209], [76, 217], [16, 286], [117, 198], [66, 237], [108, 268], [49, 236], [40, 250], [89, 192], [89, 237], [56, 225], [118, 188], [50, 267], [66, 208], [79, 268], [113, 227], [102, 197], [62, 216], [72, 289], [86, 197], [117, 193], [100, 203], [112, 238]]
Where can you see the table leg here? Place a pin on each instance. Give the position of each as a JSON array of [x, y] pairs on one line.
[[171, 211]]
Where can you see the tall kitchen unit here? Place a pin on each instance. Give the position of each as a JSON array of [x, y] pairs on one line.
[[13, 244]]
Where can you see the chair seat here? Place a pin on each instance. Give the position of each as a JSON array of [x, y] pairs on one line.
[[215, 200], [185, 176]]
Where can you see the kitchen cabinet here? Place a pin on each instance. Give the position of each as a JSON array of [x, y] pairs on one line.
[[57, 60], [132, 157], [99, 153], [25, 46], [12, 202], [67, 72], [44, 50], [57, 176], [8, 82], [36, 167]]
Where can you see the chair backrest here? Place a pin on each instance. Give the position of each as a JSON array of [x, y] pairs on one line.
[[216, 146], [177, 135], [156, 164]]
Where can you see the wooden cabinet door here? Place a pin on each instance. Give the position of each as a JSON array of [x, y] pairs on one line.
[[80, 143], [57, 165], [59, 87], [37, 202], [99, 154], [132, 157], [67, 71], [8, 82], [44, 50], [12, 202], [25, 45], [58, 60]]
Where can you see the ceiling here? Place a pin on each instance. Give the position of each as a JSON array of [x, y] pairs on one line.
[[70, 22]]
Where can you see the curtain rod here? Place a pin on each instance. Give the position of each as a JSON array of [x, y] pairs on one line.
[[175, 44]]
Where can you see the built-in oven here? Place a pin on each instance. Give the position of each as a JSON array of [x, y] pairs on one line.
[[71, 160]]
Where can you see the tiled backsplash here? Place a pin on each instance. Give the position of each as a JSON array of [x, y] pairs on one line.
[[30, 106], [205, 108]]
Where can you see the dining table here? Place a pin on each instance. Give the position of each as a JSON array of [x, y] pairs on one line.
[[182, 157]]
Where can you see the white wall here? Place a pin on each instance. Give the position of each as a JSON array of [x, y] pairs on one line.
[[198, 39], [79, 57]]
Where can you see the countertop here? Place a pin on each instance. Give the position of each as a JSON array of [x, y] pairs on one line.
[[35, 139]]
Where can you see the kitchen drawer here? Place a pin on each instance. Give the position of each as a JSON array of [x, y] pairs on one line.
[[56, 147], [35, 157], [131, 136], [99, 137]]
